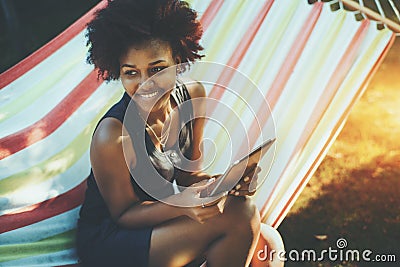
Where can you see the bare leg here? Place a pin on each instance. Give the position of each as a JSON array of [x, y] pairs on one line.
[[227, 240]]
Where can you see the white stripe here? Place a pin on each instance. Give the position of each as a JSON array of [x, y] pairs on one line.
[[296, 104], [39, 192], [266, 36], [57, 184], [36, 110], [38, 231], [229, 27], [339, 105], [200, 5], [254, 52], [300, 166], [17, 88], [38, 152]]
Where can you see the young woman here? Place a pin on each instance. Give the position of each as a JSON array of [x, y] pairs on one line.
[[120, 223]]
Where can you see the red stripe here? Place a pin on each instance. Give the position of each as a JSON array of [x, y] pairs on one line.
[[333, 86], [330, 90], [45, 51], [284, 73], [210, 13], [240, 51], [296, 50], [339, 74], [49, 123], [41, 129], [44, 210], [334, 131]]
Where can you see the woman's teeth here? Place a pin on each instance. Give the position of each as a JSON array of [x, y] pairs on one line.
[[149, 95]]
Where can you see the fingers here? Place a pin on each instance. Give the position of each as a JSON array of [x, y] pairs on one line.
[[252, 171], [243, 184], [241, 193], [245, 187], [233, 192], [206, 213], [239, 187]]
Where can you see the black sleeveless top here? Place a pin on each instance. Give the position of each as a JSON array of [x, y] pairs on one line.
[[155, 170]]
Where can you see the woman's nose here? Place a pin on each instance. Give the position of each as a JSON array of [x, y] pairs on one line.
[[146, 84]]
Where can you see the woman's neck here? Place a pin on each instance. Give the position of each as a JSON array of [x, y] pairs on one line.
[[157, 116]]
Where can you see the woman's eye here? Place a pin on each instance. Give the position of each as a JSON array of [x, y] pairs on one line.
[[130, 72], [156, 69]]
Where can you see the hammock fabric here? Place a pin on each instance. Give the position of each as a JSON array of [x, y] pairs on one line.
[[311, 64]]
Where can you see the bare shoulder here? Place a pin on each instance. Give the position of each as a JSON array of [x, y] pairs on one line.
[[110, 165], [109, 140], [195, 88], [107, 134]]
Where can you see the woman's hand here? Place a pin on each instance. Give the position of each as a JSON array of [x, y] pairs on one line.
[[200, 209], [202, 214], [247, 184]]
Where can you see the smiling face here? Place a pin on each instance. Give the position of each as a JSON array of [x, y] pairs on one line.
[[141, 76]]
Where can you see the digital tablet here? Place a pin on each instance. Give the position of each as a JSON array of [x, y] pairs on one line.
[[237, 170]]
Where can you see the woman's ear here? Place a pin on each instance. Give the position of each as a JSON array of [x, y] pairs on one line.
[[178, 62]]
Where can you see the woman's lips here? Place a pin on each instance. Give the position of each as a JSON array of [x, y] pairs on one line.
[[149, 95]]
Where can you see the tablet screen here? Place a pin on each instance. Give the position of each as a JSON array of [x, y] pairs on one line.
[[238, 169]]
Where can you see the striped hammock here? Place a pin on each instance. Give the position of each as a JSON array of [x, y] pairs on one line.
[[310, 63]]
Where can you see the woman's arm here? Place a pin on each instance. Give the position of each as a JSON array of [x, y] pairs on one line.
[[198, 95], [113, 179]]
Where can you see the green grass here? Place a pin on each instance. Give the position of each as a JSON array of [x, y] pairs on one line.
[[355, 193]]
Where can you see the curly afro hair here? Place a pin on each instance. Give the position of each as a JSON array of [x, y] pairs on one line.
[[123, 23]]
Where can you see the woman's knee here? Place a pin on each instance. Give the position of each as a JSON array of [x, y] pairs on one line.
[[241, 207], [243, 214]]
